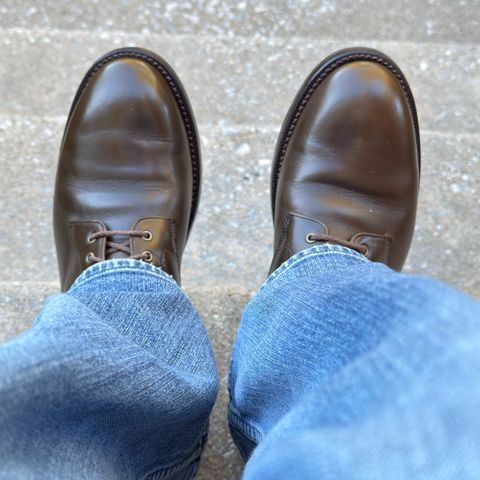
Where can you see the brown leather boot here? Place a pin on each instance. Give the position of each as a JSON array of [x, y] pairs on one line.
[[347, 163], [128, 178]]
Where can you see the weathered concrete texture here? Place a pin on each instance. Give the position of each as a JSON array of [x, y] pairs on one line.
[[446, 244], [231, 242], [233, 80], [220, 309], [435, 20], [242, 63]]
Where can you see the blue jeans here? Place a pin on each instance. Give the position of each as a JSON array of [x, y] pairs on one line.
[[342, 369]]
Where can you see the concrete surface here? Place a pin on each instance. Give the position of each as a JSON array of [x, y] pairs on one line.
[[241, 63]]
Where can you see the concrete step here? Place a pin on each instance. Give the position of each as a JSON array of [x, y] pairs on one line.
[[232, 239], [238, 80], [366, 19], [220, 309], [242, 63]]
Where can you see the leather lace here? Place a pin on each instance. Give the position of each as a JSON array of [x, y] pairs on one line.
[[112, 247], [320, 237]]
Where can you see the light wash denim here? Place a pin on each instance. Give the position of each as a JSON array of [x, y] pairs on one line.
[[115, 380], [342, 369]]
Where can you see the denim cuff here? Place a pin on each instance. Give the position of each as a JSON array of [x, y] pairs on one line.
[[318, 258], [121, 267]]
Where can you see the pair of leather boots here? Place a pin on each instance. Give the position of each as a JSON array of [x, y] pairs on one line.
[[345, 170]]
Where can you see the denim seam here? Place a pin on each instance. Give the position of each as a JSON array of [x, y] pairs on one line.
[[121, 270], [125, 262], [245, 428], [95, 272], [317, 251]]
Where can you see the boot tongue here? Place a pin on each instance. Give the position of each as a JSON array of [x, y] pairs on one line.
[[118, 254]]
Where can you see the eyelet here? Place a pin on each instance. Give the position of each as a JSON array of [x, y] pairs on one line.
[[147, 236], [309, 238], [147, 255], [366, 252], [89, 257], [90, 239]]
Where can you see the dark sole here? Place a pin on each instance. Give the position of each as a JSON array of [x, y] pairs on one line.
[[320, 73], [181, 98]]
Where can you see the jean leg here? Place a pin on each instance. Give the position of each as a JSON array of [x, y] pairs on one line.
[[345, 369], [115, 380]]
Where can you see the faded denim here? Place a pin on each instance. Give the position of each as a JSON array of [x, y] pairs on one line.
[[341, 369], [115, 380], [344, 369]]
